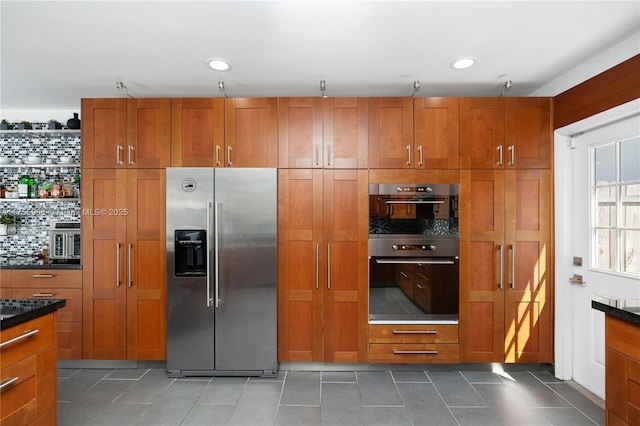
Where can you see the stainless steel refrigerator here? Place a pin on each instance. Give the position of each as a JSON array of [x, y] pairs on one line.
[[221, 271]]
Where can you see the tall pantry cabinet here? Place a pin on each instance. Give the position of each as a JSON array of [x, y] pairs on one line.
[[322, 230], [505, 230], [124, 152]]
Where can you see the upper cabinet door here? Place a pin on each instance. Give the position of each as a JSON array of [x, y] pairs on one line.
[[528, 132], [345, 133], [436, 142], [391, 133], [148, 133], [251, 138], [300, 133], [197, 132], [482, 133], [104, 128]]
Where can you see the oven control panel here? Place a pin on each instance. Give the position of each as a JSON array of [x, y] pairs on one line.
[[429, 247]]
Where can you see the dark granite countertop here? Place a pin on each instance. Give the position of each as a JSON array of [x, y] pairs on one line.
[[17, 311], [31, 262], [624, 309]]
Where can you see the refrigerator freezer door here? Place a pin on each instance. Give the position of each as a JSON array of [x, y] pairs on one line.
[[190, 322], [246, 233]]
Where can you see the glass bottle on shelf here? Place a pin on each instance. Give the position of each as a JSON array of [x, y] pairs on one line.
[[24, 186]]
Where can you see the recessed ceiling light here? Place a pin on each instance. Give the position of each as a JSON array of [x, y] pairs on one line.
[[218, 64], [463, 63]]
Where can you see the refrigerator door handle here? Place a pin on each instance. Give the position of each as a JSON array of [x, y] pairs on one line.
[[209, 299], [216, 236]]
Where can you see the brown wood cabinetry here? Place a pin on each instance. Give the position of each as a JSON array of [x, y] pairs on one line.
[[391, 133], [323, 133], [197, 132], [5, 283], [126, 133], [217, 132], [28, 373], [419, 343], [56, 284], [498, 133], [124, 264], [622, 365], [322, 256], [505, 269], [436, 138], [251, 132]]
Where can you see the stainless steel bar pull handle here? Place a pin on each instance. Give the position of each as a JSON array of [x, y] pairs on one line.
[[8, 382], [408, 155], [43, 275], [328, 155], [228, 155], [43, 294], [500, 283], [329, 266], [499, 149], [130, 155], [403, 352], [420, 157], [129, 265], [119, 149], [118, 265], [217, 155], [216, 234], [208, 262], [317, 155], [395, 331], [317, 259], [512, 148], [404, 275], [512, 282], [20, 337]]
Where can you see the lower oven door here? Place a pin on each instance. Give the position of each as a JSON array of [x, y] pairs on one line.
[[413, 290]]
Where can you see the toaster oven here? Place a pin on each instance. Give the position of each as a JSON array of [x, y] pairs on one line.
[[64, 240]]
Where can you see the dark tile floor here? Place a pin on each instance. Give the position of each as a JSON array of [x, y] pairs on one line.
[[403, 395]]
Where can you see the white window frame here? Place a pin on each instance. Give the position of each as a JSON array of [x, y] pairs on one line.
[[617, 185]]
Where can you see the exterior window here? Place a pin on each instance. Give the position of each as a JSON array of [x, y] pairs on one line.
[[616, 195]]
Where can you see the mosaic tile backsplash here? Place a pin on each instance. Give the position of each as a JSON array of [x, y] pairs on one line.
[[34, 217]]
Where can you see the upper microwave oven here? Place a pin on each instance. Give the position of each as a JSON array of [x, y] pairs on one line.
[[64, 240]]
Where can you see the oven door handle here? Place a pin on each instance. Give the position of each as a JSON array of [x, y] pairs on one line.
[[414, 202], [416, 261]]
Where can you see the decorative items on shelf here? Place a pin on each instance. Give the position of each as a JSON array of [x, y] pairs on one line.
[[8, 223], [74, 123], [5, 125], [54, 125]]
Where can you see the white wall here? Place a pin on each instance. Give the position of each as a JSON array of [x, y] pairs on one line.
[[615, 55]]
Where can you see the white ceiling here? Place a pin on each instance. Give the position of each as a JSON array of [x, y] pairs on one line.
[[55, 52]]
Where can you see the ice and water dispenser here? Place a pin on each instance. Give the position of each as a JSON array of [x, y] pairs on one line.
[[191, 253]]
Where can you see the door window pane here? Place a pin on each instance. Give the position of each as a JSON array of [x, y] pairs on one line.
[[630, 160], [616, 204], [631, 251], [606, 206], [606, 249], [605, 164]]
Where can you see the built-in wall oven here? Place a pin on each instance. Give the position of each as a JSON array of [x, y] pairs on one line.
[[413, 253]]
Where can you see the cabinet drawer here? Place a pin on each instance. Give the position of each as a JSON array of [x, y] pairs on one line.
[[32, 342], [18, 396], [634, 370], [52, 278], [418, 333], [413, 353], [72, 310]]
